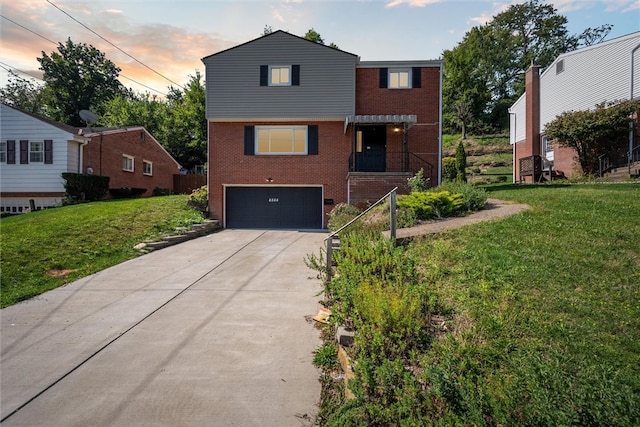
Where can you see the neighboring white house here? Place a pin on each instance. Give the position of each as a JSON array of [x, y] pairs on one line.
[[578, 80], [34, 152]]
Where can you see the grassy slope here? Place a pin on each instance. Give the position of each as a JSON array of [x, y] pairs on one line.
[[45, 249], [488, 157], [547, 308]]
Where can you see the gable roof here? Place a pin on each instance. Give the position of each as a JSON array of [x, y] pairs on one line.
[[67, 128], [275, 34]]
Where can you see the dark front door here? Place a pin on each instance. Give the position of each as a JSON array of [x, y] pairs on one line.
[[371, 149], [274, 207]]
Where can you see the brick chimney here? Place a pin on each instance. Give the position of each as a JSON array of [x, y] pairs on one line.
[[532, 105]]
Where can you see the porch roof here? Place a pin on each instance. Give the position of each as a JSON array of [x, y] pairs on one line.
[[407, 120]]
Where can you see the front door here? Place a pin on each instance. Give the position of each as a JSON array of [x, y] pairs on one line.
[[371, 148]]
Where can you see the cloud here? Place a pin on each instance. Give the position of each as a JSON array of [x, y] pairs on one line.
[[411, 3], [621, 5]]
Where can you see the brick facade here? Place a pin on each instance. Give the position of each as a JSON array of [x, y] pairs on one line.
[[104, 154]]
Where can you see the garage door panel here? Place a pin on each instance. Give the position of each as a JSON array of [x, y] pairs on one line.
[[274, 207]]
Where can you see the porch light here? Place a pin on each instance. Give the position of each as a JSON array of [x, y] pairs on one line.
[[396, 128]]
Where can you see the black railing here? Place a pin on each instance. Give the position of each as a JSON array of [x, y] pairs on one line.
[[394, 161]]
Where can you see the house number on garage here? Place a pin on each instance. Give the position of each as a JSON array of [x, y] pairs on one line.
[[273, 200]]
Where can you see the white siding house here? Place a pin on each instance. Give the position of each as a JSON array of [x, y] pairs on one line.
[[34, 152], [579, 80]]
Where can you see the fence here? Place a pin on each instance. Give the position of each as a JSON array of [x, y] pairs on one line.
[[185, 184]]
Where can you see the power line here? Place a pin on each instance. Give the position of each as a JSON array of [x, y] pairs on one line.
[[130, 56], [51, 41]]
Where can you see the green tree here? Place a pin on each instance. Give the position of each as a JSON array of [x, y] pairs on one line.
[[267, 30], [464, 114], [133, 109], [23, 94], [461, 163], [315, 37], [77, 77], [592, 133]]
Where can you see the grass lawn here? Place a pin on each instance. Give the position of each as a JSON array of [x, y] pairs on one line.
[[46, 249], [545, 308]]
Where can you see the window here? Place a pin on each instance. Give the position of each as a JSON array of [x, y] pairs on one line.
[[281, 140], [280, 76], [560, 66], [3, 152], [36, 152], [547, 148], [127, 163], [147, 168], [400, 79]]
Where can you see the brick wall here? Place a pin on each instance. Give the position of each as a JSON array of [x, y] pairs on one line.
[[424, 102], [104, 155], [229, 165]]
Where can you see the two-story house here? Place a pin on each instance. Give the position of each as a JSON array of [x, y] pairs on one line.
[[575, 81], [296, 127]]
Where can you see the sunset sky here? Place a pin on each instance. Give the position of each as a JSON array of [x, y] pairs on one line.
[[171, 36]]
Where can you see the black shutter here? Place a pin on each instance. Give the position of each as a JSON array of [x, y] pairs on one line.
[[295, 75], [312, 140], [416, 77], [249, 141], [48, 151], [384, 77], [24, 152], [264, 75], [11, 152]]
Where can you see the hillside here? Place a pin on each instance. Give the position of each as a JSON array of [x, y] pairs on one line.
[[489, 157]]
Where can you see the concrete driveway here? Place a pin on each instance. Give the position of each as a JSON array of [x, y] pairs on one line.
[[210, 332]]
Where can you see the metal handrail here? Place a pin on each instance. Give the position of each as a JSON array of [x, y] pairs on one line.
[[634, 156], [392, 220], [604, 163]]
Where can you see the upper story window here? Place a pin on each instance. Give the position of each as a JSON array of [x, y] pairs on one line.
[[400, 79], [280, 75], [3, 152], [147, 168], [36, 152], [127, 163], [281, 140], [560, 66]]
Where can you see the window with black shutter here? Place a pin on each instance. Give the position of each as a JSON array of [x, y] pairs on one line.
[[384, 76], [48, 151], [312, 140], [249, 140], [416, 77], [11, 152], [24, 152]]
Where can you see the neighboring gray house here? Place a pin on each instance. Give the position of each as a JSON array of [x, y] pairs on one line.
[[578, 80], [34, 152]]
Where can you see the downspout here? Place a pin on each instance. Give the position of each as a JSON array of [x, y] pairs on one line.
[[631, 122], [440, 131], [513, 145]]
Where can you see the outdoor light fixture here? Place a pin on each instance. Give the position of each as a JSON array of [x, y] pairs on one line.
[[396, 128], [269, 179]]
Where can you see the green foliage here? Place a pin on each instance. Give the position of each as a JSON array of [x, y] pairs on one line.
[[67, 243], [341, 214], [199, 199], [591, 133], [430, 204], [473, 198], [23, 94], [77, 77], [461, 163], [326, 357], [161, 192], [126, 192], [81, 187], [418, 182], [449, 171]]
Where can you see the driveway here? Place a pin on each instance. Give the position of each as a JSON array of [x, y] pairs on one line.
[[209, 332]]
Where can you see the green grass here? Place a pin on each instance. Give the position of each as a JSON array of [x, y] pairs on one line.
[[46, 249], [546, 308]]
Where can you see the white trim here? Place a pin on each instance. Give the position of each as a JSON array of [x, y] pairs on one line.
[[133, 163], [144, 163], [293, 129], [279, 67]]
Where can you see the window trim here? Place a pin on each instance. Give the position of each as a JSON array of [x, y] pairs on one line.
[[398, 71], [144, 164], [39, 153], [293, 128], [559, 66], [133, 163]]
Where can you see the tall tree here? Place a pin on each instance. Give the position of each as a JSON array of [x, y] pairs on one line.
[[23, 94], [133, 109], [314, 36], [78, 77]]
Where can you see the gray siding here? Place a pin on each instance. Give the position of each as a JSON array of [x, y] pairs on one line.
[[326, 90], [592, 75]]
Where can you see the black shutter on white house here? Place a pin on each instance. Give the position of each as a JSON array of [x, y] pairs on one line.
[[312, 140], [384, 77], [11, 152], [249, 140], [48, 151], [416, 77], [264, 75], [295, 75], [24, 152]]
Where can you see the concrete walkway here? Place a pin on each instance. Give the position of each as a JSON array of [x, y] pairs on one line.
[[210, 332]]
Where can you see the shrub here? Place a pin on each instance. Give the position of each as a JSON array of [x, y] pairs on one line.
[[341, 214], [418, 182], [461, 163], [126, 192], [473, 198], [199, 199], [161, 192], [429, 204], [80, 187], [449, 171]]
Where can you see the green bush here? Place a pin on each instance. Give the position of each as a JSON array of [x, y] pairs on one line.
[[341, 214], [80, 187], [449, 170], [126, 192], [429, 204], [161, 192], [199, 199], [473, 198], [326, 357], [418, 182]]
